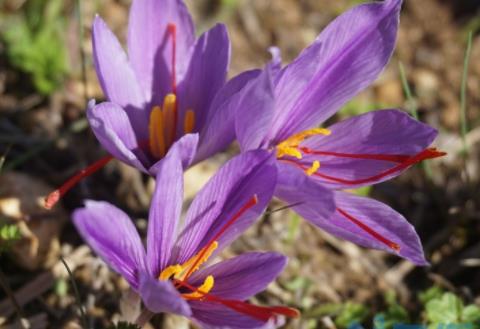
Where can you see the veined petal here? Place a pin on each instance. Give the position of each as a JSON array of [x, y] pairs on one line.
[[255, 111], [185, 147], [243, 177], [165, 210], [384, 132], [117, 78], [309, 199], [388, 225], [112, 235], [206, 74], [113, 129], [150, 45], [216, 316], [243, 276], [345, 58], [219, 128], [162, 297]]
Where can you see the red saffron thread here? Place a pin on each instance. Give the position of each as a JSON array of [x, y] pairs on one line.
[[392, 245], [261, 313], [55, 196], [249, 204], [382, 157], [424, 155], [172, 30]]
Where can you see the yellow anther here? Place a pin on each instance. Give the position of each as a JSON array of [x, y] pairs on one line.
[[169, 271], [289, 147], [169, 118], [195, 261], [313, 169], [189, 122], [202, 290], [156, 133]]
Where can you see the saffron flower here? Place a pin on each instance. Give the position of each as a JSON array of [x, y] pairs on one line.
[[170, 85], [281, 111], [172, 275]]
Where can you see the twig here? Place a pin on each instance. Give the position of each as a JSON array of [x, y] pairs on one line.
[[463, 95], [77, 294], [144, 317], [11, 296]]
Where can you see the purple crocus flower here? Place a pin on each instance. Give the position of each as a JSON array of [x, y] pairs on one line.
[[171, 275], [170, 85], [281, 109]]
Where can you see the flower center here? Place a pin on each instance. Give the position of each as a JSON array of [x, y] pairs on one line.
[[163, 119], [163, 123], [181, 272], [291, 147]]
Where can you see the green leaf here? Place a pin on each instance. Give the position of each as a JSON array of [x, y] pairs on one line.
[[471, 314], [432, 293], [351, 313], [447, 309], [394, 314]]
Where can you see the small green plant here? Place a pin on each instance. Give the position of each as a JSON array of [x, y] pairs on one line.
[[9, 234], [450, 309], [35, 44]]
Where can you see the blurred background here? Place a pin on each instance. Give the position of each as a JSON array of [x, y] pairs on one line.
[[46, 75]]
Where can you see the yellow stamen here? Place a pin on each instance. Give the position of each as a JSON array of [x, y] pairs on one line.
[[202, 290], [194, 261], [313, 169], [180, 271], [289, 147], [169, 271], [156, 127], [169, 117], [189, 122]]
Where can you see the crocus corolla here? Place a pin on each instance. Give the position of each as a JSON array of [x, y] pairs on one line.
[[281, 111], [171, 85], [172, 275]]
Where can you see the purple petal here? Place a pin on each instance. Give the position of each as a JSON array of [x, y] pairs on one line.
[[150, 44], [241, 178], [206, 74], [216, 316], [186, 148], [219, 129], [165, 210], [255, 110], [345, 58], [117, 78], [385, 132], [111, 126], [308, 198], [243, 276], [390, 226], [162, 297], [112, 235]]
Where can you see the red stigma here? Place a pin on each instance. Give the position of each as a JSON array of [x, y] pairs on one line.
[[381, 157], [261, 313], [172, 30], [404, 161], [249, 204], [55, 196], [392, 245]]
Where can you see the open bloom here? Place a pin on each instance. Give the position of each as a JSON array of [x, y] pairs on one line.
[[170, 85], [281, 109], [171, 276]]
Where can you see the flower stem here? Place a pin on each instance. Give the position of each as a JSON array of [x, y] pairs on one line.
[[144, 317]]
